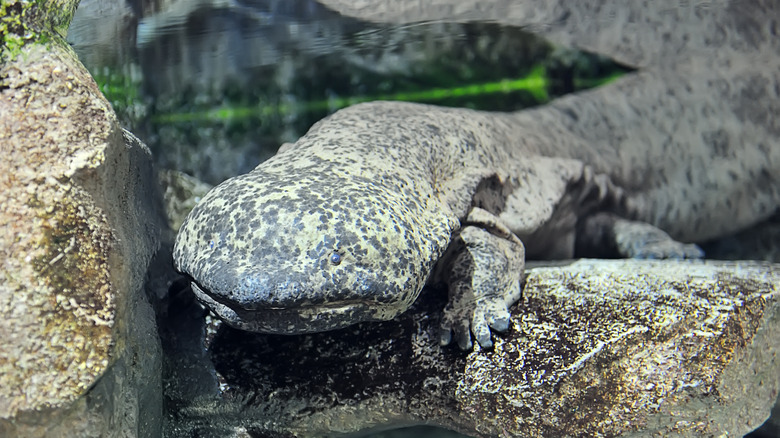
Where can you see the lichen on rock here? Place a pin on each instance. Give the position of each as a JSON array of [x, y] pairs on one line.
[[69, 314], [56, 283], [79, 206], [610, 351]]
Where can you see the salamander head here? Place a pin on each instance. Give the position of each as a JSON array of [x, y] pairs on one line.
[[275, 256]]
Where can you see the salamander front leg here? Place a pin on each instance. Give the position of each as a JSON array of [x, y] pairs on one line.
[[484, 281]]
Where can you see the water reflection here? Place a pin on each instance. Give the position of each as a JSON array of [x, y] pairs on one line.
[[214, 87]]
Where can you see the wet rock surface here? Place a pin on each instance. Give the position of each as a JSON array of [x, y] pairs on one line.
[[596, 348], [180, 194], [81, 355]]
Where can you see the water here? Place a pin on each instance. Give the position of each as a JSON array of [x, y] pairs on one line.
[[215, 87]]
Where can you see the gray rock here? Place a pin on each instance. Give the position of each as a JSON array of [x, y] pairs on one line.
[[180, 194], [596, 348], [81, 220]]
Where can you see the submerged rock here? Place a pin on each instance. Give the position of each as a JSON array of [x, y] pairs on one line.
[[180, 194], [81, 221], [595, 348]]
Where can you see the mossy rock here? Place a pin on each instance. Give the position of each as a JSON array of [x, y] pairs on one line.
[[26, 22]]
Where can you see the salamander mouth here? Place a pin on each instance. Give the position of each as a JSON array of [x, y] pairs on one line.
[[304, 318]]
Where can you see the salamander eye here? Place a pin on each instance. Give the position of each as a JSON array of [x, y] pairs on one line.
[[335, 258]]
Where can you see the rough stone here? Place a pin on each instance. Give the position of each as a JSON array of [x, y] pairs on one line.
[[25, 22], [180, 193], [82, 219], [596, 348]]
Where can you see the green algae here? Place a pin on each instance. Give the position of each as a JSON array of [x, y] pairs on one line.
[[33, 22]]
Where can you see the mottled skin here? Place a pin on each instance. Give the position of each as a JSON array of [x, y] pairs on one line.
[[350, 222]]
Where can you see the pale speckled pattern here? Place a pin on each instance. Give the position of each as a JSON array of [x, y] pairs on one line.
[[384, 187], [372, 185], [686, 148]]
